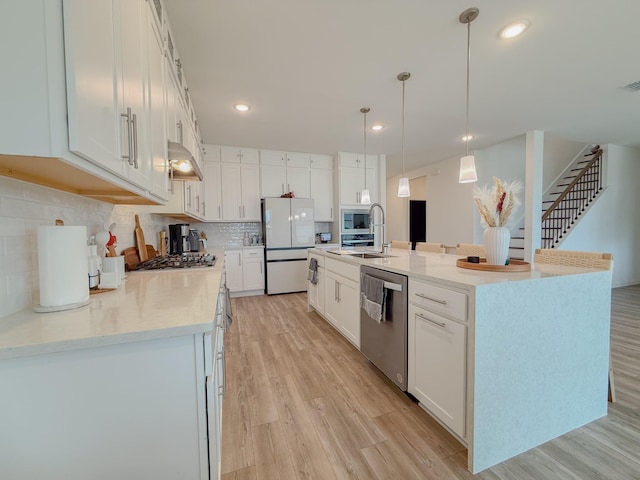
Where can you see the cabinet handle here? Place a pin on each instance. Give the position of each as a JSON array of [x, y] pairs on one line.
[[180, 132], [239, 211], [441, 302], [358, 197], [288, 187], [219, 213], [222, 389], [134, 128], [198, 203], [204, 208], [243, 215], [282, 187], [127, 116], [339, 299], [440, 324], [335, 291], [189, 196], [260, 268], [331, 214]]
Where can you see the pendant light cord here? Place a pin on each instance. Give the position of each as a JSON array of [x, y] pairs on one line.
[[468, 68], [364, 129], [364, 111], [403, 82]]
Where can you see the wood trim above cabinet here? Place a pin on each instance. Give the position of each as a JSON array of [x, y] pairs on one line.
[[56, 173]]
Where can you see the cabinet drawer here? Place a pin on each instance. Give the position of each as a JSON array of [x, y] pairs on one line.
[[319, 259], [252, 252], [438, 299], [341, 268]]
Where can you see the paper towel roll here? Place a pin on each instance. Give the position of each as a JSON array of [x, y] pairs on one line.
[[62, 265]]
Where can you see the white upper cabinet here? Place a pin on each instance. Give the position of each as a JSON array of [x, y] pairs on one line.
[[239, 155], [298, 174], [155, 108], [116, 89], [212, 205], [322, 193], [240, 192], [324, 162], [353, 174], [283, 172], [93, 113], [321, 187], [131, 52], [272, 157]]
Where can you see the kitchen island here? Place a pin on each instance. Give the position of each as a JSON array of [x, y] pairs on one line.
[[126, 386], [505, 361]]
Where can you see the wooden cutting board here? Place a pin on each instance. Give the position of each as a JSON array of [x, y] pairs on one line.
[[151, 252], [140, 243], [131, 258]]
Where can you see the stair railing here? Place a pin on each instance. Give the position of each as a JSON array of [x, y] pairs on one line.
[[572, 202]]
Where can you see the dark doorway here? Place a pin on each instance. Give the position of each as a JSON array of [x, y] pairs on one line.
[[417, 222]]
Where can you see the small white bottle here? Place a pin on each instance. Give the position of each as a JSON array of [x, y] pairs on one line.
[[246, 241], [94, 263]]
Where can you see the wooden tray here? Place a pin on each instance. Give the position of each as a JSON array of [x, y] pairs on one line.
[[514, 266]]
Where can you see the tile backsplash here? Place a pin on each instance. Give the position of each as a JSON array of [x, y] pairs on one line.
[[25, 206]]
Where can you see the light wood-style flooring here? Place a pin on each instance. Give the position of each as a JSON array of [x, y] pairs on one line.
[[303, 403]]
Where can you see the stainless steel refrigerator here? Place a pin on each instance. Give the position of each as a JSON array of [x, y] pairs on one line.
[[288, 231]]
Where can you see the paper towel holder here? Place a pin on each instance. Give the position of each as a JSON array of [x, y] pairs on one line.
[[77, 237]]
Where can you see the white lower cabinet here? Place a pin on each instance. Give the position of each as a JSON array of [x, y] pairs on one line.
[[437, 362], [109, 411], [245, 270], [341, 296], [253, 269], [216, 389], [233, 267]]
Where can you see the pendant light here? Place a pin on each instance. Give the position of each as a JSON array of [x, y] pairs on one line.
[[467, 163], [403, 184], [365, 198]]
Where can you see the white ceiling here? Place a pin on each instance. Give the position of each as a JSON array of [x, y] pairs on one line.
[[307, 67]]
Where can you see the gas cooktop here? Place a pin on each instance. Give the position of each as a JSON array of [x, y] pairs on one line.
[[184, 260]]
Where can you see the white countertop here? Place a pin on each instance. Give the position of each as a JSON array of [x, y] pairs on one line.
[[148, 305], [442, 267]]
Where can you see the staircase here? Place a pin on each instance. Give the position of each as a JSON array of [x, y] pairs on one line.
[[565, 202], [571, 197]]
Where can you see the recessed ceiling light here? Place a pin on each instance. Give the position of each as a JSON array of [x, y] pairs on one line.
[[513, 29], [376, 127], [242, 107], [467, 138]]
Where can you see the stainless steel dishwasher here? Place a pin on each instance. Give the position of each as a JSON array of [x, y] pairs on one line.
[[385, 343]]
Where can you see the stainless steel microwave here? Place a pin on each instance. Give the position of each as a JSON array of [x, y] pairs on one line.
[[354, 221]]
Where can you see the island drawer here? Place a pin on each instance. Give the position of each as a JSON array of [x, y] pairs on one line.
[[347, 270], [438, 299]]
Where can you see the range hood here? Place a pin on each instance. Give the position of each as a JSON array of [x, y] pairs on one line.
[[182, 165]]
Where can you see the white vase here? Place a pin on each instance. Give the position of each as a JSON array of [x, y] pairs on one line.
[[496, 245]]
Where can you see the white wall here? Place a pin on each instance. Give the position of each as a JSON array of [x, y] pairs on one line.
[[505, 161], [612, 224], [557, 155]]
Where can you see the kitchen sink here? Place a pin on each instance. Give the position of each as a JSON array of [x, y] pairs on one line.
[[361, 254], [371, 255]]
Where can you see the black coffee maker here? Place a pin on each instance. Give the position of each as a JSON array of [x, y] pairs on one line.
[[178, 238]]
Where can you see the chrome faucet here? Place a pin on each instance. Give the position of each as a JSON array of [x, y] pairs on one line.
[[383, 247]]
